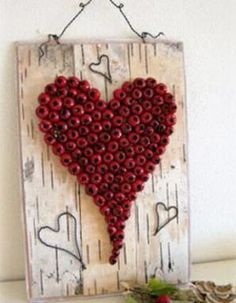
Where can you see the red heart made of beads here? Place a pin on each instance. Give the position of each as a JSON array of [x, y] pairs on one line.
[[111, 147]]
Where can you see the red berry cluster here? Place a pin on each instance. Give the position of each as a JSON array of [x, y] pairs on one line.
[[111, 147]]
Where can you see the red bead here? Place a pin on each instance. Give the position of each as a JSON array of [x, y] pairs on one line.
[[129, 163], [170, 120], [138, 185], [83, 178], [120, 234], [169, 97], [81, 98], [65, 114], [45, 126], [163, 299], [161, 89], [78, 110], [164, 140], [130, 151], [42, 111], [76, 153], [155, 138], [99, 200], [148, 154], [88, 152], [96, 127], [145, 141], [89, 107], [101, 105], [124, 142], [106, 125], [137, 109], [126, 128], [140, 128], [82, 143], [140, 160], [96, 115], [114, 166], [112, 260], [62, 138], [147, 105], [114, 104], [107, 114], [151, 82], [120, 156], [149, 166], [125, 187], [103, 187], [61, 81], [117, 121], [130, 177], [44, 98], [53, 117], [73, 81], [55, 104], [99, 148], [127, 86], [96, 178], [139, 149], [105, 210], [105, 137], [92, 138], [139, 82], [83, 130], [108, 157], [84, 85], [118, 244], [74, 168], [66, 159], [119, 197], [113, 146], [94, 94], [146, 117], [133, 138], [70, 145], [69, 102], [62, 92], [119, 94], [124, 111], [111, 219], [134, 120], [96, 159], [90, 169], [128, 101], [49, 139], [158, 100], [138, 170], [72, 134], [137, 94], [108, 195], [120, 224], [108, 177], [61, 126], [148, 93], [116, 133], [72, 92], [86, 119], [51, 89], [111, 229], [58, 149], [91, 189]]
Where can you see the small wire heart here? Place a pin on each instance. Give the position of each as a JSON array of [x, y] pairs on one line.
[[159, 225], [105, 75], [57, 230]]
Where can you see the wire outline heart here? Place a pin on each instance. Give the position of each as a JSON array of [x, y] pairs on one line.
[[160, 227], [106, 76], [57, 230]]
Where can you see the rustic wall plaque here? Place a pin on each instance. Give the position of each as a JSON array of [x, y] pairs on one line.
[[49, 190]]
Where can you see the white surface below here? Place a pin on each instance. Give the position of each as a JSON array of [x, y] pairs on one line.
[[219, 272]]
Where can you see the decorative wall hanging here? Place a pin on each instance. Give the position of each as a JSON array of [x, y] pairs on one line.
[[110, 112]]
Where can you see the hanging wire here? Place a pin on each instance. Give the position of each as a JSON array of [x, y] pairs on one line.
[[142, 35], [56, 38]]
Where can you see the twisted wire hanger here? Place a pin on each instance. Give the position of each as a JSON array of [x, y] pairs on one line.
[[120, 7]]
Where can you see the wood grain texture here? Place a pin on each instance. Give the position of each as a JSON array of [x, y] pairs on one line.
[[49, 190]]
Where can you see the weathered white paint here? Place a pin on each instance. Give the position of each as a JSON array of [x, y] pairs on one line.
[[50, 190]]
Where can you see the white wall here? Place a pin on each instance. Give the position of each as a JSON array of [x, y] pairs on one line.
[[207, 28]]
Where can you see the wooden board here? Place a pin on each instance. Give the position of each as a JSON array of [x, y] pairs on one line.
[[49, 190]]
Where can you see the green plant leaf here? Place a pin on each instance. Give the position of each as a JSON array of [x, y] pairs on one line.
[[131, 300], [158, 287]]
